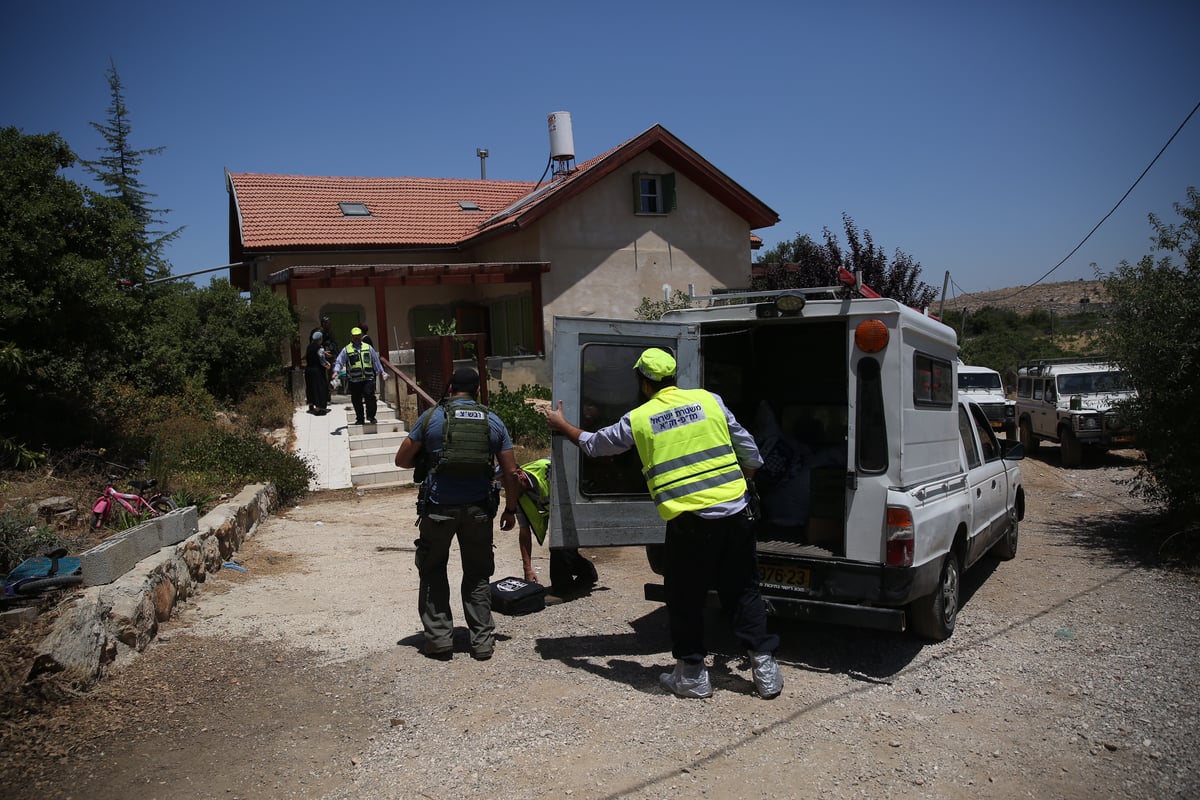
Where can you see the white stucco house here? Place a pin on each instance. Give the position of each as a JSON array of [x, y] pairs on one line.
[[500, 258]]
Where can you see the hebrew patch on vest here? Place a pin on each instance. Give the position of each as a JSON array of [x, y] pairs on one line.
[[676, 418], [469, 413]]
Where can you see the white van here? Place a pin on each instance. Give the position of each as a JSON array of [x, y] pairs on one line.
[[984, 386], [878, 488]]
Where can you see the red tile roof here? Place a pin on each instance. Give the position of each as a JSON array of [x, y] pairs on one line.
[[278, 212], [282, 211]]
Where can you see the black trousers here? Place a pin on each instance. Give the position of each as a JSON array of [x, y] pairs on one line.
[[700, 554], [363, 392], [570, 571]]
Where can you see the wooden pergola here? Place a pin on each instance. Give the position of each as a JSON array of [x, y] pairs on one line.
[[379, 277]]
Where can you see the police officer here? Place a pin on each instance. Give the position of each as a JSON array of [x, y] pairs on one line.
[[361, 364], [696, 458], [459, 506]]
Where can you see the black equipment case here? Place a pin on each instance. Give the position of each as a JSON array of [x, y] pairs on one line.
[[514, 596]]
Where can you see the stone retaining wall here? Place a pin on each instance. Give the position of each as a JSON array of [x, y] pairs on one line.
[[108, 624]]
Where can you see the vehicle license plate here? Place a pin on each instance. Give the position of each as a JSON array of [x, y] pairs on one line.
[[782, 576]]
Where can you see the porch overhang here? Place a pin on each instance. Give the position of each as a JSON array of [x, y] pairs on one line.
[[358, 275], [379, 277]]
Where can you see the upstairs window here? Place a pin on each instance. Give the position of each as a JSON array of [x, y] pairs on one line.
[[653, 194]]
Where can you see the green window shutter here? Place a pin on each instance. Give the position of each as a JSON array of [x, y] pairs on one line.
[[668, 190], [637, 192]]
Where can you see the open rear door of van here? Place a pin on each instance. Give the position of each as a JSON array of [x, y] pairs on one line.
[[599, 502]]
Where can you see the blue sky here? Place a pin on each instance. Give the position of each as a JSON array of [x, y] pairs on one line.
[[983, 139]]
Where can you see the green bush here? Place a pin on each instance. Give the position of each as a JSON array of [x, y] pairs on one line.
[[267, 405], [231, 458], [525, 424], [21, 538]]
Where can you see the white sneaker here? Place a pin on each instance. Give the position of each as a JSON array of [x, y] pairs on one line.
[[688, 680], [768, 680]]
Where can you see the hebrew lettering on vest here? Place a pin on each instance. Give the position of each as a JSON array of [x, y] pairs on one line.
[[676, 417]]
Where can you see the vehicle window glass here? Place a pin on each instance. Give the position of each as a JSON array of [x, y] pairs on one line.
[[872, 427], [1037, 389], [987, 438], [968, 442], [608, 388], [978, 380], [1051, 395], [1024, 387], [932, 384]]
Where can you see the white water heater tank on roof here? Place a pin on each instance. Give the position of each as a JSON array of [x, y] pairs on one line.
[[562, 140]]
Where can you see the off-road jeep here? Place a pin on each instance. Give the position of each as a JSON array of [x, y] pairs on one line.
[[1071, 401]]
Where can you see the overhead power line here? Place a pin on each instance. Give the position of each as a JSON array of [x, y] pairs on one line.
[[1114, 208]]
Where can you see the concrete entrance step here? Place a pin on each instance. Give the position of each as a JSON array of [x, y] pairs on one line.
[[374, 474]]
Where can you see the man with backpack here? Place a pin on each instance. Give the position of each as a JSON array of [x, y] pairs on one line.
[[459, 442]]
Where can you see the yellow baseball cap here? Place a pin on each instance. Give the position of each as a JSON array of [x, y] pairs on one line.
[[655, 364], [356, 331]]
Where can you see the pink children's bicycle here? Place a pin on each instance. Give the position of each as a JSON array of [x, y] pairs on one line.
[[141, 503]]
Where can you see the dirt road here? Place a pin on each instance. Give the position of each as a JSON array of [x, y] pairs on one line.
[[1070, 675]]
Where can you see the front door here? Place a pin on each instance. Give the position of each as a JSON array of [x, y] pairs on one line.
[[603, 501]]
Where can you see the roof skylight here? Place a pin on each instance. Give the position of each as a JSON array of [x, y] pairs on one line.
[[354, 209], [469, 205]]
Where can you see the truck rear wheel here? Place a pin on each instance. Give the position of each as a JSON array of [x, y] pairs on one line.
[[934, 616], [1028, 440], [1070, 449]]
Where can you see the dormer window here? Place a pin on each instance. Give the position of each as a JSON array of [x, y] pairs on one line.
[[354, 209]]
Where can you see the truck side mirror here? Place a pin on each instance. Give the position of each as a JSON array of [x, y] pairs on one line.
[[1013, 451]]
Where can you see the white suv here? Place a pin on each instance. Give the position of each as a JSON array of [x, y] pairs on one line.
[[1071, 401], [983, 386]]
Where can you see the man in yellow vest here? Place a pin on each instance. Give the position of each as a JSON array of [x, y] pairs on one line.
[[696, 460], [361, 364], [569, 570]]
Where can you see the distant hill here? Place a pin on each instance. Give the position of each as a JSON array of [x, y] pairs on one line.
[[1061, 297]]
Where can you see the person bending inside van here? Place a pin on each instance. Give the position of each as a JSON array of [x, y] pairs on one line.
[[697, 459], [570, 571]]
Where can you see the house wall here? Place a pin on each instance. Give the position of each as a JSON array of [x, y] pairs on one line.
[[605, 258]]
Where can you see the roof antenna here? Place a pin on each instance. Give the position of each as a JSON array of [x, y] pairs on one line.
[[483, 154]]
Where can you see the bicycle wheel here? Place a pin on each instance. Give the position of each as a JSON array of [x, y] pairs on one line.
[[162, 504], [39, 585], [100, 515]]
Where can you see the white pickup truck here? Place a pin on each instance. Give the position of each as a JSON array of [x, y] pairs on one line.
[[879, 485]]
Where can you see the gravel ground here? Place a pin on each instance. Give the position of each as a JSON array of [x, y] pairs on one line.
[[1070, 676]]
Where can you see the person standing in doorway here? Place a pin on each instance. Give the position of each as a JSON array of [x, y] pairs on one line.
[[459, 442], [697, 460], [361, 364]]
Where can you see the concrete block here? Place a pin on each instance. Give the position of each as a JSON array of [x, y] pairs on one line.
[[107, 561], [144, 538], [177, 525]]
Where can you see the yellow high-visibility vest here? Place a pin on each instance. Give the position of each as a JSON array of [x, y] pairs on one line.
[[359, 364], [688, 457], [538, 515]]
